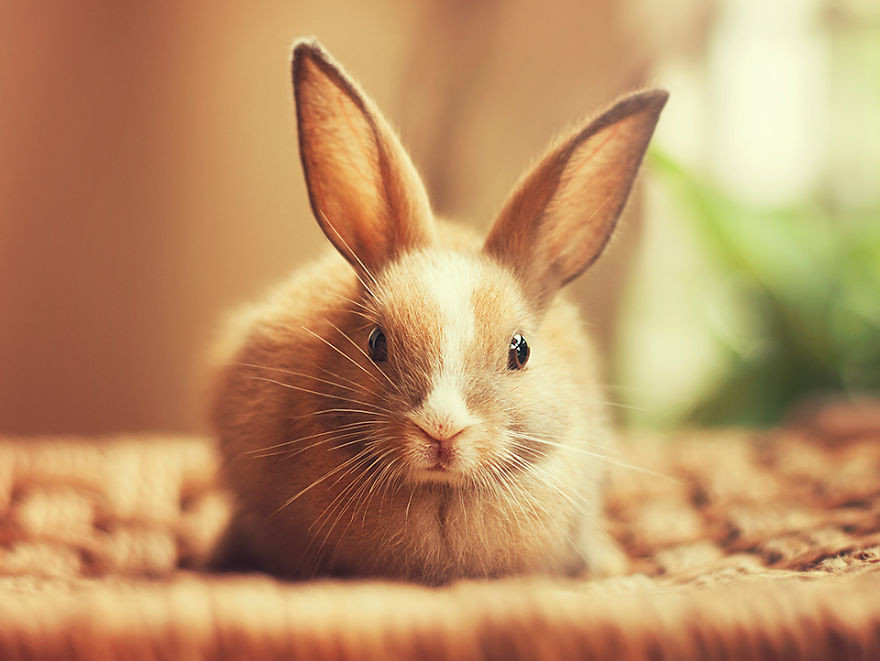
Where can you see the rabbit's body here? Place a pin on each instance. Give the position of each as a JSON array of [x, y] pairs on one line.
[[434, 531], [428, 407]]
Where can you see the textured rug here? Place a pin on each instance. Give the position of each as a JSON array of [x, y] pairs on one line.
[[743, 545]]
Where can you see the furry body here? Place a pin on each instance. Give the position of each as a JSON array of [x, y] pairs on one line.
[[431, 531], [422, 404]]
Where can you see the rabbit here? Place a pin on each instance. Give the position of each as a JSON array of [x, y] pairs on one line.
[[419, 403]]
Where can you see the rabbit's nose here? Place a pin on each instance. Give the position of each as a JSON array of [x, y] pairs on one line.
[[441, 432], [443, 441], [444, 414]]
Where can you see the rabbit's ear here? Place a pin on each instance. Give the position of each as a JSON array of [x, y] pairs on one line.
[[364, 191], [562, 213]]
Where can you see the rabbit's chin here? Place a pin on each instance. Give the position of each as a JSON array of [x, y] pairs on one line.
[[438, 475]]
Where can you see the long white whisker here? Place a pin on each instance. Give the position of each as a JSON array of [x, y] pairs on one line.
[[408, 504], [553, 482], [546, 478], [507, 485], [515, 484], [359, 386], [353, 499], [288, 454], [350, 300], [343, 354], [304, 375], [353, 253], [383, 476], [320, 394], [598, 455], [316, 435], [337, 410], [318, 481], [357, 435], [368, 493], [358, 464], [339, 497], [364, 353], [536, 453]]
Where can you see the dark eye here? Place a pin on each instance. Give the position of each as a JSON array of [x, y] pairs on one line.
[[378, 346], [518, 355]]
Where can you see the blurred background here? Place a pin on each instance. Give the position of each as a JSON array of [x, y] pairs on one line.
[[149, 182]]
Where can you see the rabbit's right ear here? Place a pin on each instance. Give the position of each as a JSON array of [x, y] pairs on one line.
[[562, 214], [364, 191]]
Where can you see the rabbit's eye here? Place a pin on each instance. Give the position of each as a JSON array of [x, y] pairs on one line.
[[378, 346], [518, 355]]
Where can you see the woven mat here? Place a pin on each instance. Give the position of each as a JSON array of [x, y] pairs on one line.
[[742, 545]]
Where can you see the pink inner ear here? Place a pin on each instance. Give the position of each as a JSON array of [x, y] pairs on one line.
[[339, 144], [339, 152], [592, 192], [364, 192], [589, 157], [558, 220], [364, 135]]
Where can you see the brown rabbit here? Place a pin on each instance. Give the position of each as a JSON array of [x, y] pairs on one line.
[[427, 407]]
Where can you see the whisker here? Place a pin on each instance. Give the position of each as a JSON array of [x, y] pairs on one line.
[[303, 375], [598, 446], [508, 484], [357, 435], [598, 455], [316, 435], [347, 443], [343, 354], [368, 317], [317, 482], [408, 504], [358, 386], [380, 486], [368, 494], [529, 449], [359, 464], [364, 353], [353, 499], [339, 498], [618, 405], [350, 300], [464, 510], [347, 497], [336, 410], [353, 253], [598, 527], [555, 485], [290, 454], [319, 394]]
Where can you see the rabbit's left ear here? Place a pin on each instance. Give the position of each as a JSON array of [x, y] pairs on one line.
[[561, 215], [364, 191]]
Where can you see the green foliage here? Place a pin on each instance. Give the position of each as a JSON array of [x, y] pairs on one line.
[[804, 281]]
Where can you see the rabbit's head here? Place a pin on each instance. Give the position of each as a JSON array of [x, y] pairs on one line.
[[462, 377]]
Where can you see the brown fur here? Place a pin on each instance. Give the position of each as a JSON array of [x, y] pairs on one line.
[[329, 454]]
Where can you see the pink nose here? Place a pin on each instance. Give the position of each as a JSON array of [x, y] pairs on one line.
[[442, 448], [441, 432]]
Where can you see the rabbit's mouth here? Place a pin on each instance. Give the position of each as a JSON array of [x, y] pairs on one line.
[[436, 465], [448, 460], [445, 468], [438, 474]]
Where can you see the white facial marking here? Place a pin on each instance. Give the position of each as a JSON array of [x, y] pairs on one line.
[[448, 283]]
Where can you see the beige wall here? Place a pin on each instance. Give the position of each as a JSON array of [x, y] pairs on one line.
[[149, 178]]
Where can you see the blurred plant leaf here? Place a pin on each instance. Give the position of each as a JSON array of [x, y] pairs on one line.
[[808, 282]]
